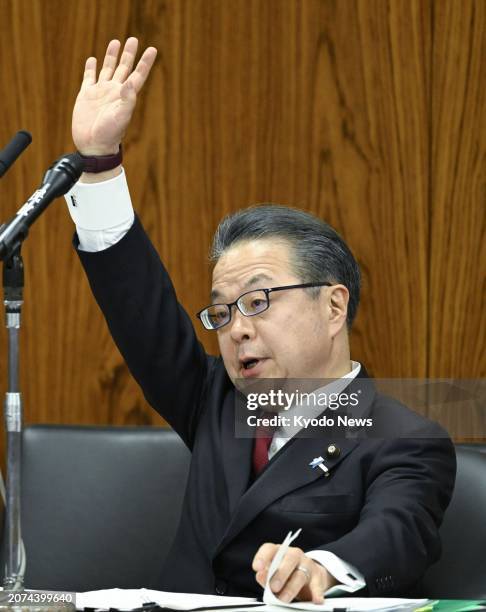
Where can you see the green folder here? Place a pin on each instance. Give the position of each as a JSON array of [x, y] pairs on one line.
[[452, 605]]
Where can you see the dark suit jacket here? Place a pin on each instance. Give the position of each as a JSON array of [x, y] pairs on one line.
[[379, 510]]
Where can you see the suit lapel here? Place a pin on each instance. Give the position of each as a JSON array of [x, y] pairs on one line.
[[289, 469]]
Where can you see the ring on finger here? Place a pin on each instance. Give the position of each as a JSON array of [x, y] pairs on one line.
[[301, 568]]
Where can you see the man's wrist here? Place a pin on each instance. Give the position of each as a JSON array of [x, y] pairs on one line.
[[89, 151], [330, 580], [347, 577]]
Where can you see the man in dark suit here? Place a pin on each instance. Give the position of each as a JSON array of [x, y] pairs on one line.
[[284, 293]]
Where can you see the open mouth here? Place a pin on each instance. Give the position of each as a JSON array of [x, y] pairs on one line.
[[249, 366]]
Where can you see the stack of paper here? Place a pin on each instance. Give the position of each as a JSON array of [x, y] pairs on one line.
[[128, 599]]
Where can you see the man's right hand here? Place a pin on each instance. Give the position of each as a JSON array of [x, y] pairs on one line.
[[104, 107]]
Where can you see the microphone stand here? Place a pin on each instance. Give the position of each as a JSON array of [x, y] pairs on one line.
[[60, 177], [13, 285]]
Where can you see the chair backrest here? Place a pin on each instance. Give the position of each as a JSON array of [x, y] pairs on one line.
[[100, 505], [461, 571]]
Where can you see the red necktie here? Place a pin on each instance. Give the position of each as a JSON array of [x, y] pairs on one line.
[[263, 439]]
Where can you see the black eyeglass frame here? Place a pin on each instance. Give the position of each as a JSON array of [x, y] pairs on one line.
[[267, 294]]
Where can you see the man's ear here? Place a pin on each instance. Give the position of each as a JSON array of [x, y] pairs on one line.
[[338, 298]]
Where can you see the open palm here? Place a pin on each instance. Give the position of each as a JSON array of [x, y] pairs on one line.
[[104, 107]]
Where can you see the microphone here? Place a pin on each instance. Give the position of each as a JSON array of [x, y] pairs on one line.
[[15, 147], [58, 180]]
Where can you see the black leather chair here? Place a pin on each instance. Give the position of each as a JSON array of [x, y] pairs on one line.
[[100, 505], [461, 571]]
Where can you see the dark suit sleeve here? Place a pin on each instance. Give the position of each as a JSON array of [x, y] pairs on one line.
[[409, 485], [151, 329]]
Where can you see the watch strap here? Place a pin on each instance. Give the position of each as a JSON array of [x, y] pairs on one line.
[[102, 163]]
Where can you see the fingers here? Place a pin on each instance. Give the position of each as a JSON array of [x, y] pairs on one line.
[[263, 557], [141, 72], [289, 582], [286, 577], [317, 584], [127, 60], [109, 63], [89, 77], [300, 581], [123, 72], [261, 562]]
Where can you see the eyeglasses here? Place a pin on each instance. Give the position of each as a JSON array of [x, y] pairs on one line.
[[249, 304]]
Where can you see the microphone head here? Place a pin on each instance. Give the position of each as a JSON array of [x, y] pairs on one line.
[[64, 173], [15, 147], [71, 162], [25, 138]]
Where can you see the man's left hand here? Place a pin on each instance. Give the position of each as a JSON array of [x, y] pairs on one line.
[[298, 576]]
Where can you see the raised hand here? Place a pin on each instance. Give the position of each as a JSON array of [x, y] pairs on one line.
[[104, 106]]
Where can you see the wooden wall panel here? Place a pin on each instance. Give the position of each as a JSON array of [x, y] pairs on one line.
[[319, 105], [71, 371], [457, 345], [326, 105], [369, 167]]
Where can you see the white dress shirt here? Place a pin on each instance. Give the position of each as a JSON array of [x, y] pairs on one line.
[[103, 214]]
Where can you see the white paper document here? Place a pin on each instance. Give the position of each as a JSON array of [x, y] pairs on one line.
[[128, 599]]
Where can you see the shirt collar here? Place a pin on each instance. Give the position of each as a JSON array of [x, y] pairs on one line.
[[312, 410]]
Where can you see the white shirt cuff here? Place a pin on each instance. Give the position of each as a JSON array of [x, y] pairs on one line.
[[347, 575], [102, 212]]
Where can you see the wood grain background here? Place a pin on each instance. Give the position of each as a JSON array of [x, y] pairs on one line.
[[369, 113]]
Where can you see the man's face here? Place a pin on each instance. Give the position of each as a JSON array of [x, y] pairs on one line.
[[293, 338]]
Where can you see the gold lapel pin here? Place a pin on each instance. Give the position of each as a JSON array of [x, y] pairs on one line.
[[333, 451]]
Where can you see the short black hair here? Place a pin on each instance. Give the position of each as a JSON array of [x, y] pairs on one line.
[[319, 252]]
